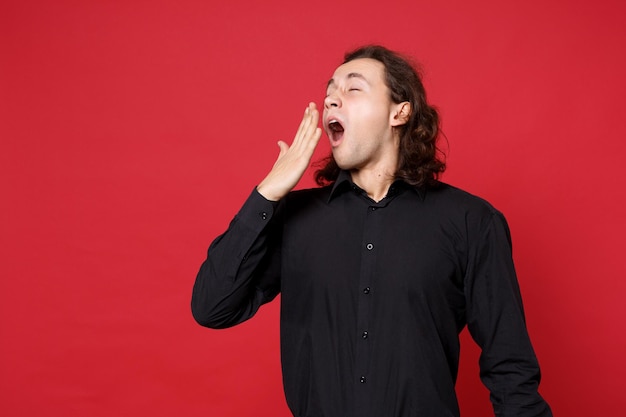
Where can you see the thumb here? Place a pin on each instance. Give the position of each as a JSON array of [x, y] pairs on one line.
[[283, 148]]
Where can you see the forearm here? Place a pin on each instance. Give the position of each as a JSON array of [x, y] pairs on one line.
[[513, 382], [236, 278], [239, 273], [509, 367]]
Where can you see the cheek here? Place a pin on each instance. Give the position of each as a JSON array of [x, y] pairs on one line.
[[373, 112]]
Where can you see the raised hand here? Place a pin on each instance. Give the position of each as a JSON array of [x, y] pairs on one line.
[[292, 160]]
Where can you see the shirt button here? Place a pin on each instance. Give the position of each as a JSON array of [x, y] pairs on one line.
[[365, 334], [373, 208], [369, 246], [366, 290], [264, 215], [362, 380]]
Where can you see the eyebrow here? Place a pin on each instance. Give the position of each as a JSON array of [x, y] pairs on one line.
[[350, 75]]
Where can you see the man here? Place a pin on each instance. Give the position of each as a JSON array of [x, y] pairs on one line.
[[381, 268]]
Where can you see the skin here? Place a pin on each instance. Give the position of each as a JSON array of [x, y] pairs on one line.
[[359, 99]]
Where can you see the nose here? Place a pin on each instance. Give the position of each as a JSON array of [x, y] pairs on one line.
[[332, 100]]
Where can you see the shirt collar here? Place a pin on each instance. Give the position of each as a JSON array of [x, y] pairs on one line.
[[344, 183]]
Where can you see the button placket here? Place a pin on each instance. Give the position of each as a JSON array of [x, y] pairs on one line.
[[371, 234]]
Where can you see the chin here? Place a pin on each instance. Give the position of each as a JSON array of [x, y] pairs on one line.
[[346, 166], [341, 162]]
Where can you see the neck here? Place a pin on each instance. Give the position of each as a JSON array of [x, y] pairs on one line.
[[375, 183], [378, 174]]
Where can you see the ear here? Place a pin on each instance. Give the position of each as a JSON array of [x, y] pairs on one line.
[[400, 113]]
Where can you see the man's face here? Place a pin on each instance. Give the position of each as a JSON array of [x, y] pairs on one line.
[[359, 116]]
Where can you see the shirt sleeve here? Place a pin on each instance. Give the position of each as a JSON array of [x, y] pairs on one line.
[[241, 271], [508, 365]]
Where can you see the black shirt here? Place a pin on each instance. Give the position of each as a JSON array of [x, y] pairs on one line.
[[374, 296]]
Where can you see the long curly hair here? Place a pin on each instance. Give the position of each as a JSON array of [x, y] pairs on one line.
[[420, 161]]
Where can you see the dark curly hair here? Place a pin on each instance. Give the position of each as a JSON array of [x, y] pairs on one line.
[[420, 161]]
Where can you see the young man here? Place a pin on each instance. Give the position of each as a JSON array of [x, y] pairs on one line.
[[381, 268]]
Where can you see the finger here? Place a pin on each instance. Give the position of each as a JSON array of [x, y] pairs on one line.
[[312, 127], [311, 115], [315, 138], [303, 124], [314, 120], [310, 144], [308, 126]]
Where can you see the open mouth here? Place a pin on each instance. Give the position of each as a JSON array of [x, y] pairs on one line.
[[335, 131], [335, 126]]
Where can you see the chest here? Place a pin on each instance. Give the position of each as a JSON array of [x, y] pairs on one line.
[[405, 247]]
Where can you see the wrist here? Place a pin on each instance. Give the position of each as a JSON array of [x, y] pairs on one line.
[[267, 193]]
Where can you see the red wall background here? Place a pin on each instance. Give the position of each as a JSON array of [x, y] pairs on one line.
[[132, 131]]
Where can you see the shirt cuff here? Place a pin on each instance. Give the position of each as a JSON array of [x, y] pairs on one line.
[[257, 211]]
